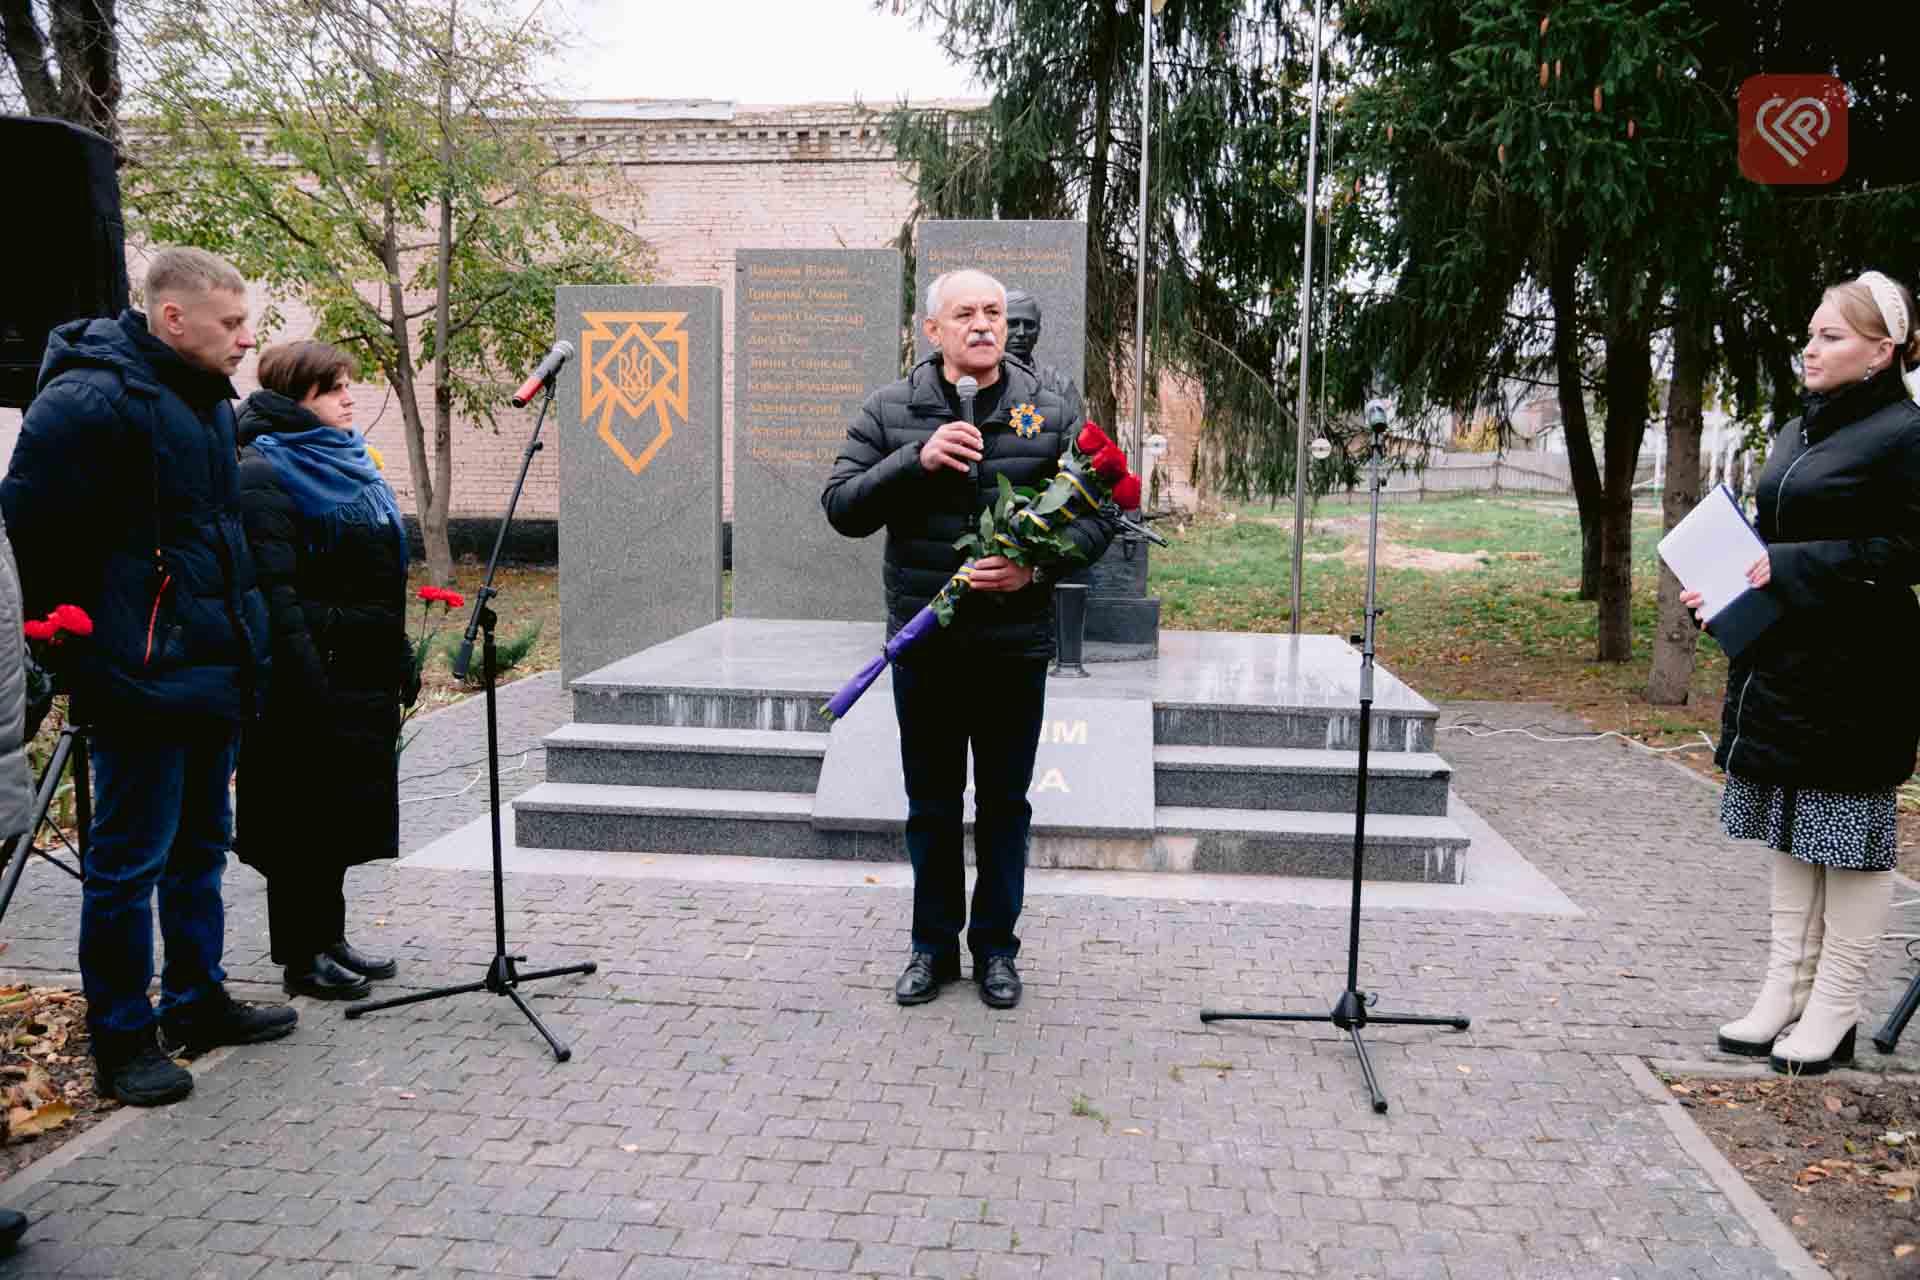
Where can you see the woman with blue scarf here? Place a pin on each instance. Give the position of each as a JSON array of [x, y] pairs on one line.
[[319, 776]]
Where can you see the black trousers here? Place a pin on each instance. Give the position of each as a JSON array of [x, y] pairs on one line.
[[306, 908], [994, 706]]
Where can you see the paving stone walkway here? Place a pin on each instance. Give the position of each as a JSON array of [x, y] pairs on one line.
[[745, 1099]]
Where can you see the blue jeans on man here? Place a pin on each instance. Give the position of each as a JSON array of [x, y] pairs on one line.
[[162, 820], [994, 706]]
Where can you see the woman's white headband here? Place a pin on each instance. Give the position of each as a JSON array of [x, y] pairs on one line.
[[1893, 310]]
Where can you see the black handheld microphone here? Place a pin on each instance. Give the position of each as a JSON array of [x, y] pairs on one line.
[[561, 352], [968, 387]]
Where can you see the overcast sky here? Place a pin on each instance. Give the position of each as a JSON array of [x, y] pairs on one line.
[[755, 51]]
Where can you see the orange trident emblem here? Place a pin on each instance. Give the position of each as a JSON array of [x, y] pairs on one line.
[[635, 363]]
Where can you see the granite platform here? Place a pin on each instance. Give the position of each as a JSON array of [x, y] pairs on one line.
[[1226, 753]]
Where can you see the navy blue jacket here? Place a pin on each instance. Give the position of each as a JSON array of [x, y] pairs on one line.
[[121, 497]]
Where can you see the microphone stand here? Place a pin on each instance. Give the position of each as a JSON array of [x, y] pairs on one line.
[[503, 977], [69, 749], [1350, 1011]]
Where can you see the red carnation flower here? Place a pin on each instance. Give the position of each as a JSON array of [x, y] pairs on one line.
[[41, 630], [1127, 493], [1092, 439], [453, 599], [1110, 464], [433, 594], [71, 618]]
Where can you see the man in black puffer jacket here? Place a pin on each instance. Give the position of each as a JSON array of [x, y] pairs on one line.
[[120, 498], [912, 465]]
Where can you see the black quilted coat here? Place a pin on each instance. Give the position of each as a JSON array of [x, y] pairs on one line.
[[878, 482], [1826, 697], [318, 776]]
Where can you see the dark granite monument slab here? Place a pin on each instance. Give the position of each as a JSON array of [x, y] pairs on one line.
[[1047, 259], [1093, 775], [815, 331], [639, 441]]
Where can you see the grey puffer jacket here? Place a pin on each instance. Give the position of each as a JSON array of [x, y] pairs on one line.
[[877, 482], [16, 780]]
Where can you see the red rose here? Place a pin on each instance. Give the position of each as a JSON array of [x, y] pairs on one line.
[[71, 618], [1110, 464], [41, 630], [1127, 493], [1092, 440]]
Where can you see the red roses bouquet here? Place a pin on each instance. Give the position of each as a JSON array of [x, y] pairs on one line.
[[1024, 525]]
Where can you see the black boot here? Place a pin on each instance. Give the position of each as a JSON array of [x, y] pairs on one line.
[[217, 1019], [129, 1067], [323, 979], [13, 1225], [344, 955]]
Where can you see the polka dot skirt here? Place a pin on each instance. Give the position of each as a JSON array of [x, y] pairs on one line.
[[1852, 830]]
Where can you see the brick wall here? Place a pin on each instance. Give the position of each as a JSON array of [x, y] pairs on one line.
[[711, 178]]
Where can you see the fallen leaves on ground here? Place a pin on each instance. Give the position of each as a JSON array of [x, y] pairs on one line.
[[1835, 1160], [46, 1070]]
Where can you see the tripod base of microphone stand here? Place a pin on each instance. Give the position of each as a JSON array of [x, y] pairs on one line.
[[1350, 1015], [502, 980]]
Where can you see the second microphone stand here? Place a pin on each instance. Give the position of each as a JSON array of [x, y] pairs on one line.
[[503, 976], [1351, 1011]]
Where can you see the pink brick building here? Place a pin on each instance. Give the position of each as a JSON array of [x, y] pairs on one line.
[[711, 177]]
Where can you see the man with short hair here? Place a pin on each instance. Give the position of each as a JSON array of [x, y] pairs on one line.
[[913, 466], [120, 498]]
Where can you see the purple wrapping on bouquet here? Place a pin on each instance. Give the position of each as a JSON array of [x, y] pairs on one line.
[[918, 627]]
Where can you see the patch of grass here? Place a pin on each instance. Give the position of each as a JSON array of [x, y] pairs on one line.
[[1084, 1109], [1511, 629]]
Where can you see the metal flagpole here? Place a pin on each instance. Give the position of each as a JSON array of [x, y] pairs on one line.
[[1306, 317], [1138, 444]]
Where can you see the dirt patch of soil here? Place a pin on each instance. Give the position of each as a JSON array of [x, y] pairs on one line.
[[46, 1074], [1394, 555], [1837, 1162]]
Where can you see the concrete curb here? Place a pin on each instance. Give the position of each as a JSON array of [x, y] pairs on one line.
[[1772, 1233]]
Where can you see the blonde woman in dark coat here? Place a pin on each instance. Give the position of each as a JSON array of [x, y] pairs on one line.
[[1819, 726]]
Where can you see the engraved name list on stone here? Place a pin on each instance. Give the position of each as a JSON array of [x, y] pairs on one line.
[[815, 331]]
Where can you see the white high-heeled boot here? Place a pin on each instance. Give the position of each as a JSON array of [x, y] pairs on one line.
[[1857, 906], [1798, 923]]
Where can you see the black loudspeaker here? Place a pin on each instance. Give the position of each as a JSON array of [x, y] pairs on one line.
[[67, 254]]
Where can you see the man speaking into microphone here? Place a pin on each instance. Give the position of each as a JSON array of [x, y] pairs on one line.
[[922, 461]]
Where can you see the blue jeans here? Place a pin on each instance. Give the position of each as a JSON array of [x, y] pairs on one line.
[[162, 819], [994, 705]]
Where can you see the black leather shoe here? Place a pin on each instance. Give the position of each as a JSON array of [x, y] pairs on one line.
[[323, 979], [999, 981], [13, 1225], [343, 954], [218, 1019], [129, 1067], [921, 980]]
